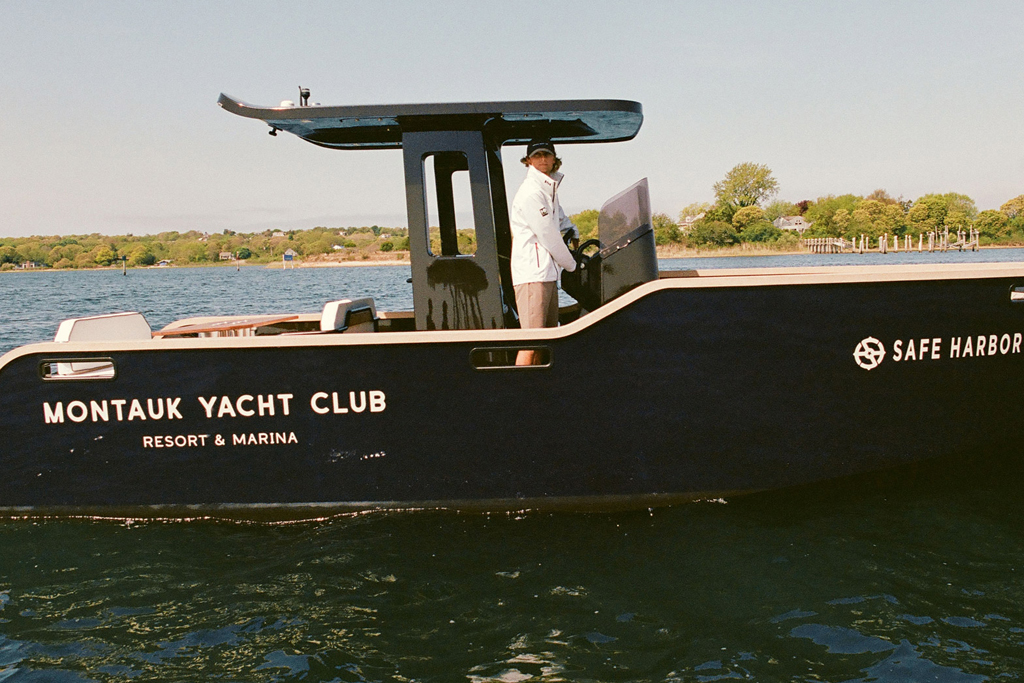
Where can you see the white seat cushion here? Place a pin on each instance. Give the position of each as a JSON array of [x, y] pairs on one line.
[[111, 327], [336, 315]]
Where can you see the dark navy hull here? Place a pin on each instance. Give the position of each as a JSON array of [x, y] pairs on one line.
[[679, 392]]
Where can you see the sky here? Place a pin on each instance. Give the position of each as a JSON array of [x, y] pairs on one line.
[[109, 121]]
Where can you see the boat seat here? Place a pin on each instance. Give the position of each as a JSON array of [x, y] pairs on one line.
[[349, 315], [111, 327]]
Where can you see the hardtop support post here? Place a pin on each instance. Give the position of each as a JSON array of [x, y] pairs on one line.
[[452, 290]]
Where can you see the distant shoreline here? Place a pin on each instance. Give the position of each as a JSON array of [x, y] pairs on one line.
[[335, 264], [663, 254], [277, 265]]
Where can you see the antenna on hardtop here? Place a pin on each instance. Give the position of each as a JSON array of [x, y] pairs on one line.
[[303, 96]]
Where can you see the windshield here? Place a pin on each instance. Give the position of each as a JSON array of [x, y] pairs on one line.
[[625, 216]]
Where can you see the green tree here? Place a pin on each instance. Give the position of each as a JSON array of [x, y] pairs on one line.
[[33, 250], [466, 241], [243, 253], [259, 244], [141, 256], [713, 233], [747, 184], [841, 221], [993, 224], [665, 229], [103, 255], [873, 217], [187, 251], [720, 212], [960, 211], [882, 196], [938, 211], [386, 246], [1014, 208], [745, 216], [586, 222], [779, 208], [760, 231], [72, 250], [927, 214], [324, 245], [822, 211]]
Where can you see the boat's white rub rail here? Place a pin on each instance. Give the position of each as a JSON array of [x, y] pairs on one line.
[[701, 279]]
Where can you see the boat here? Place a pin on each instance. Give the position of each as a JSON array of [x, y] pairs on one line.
[[657, 388]]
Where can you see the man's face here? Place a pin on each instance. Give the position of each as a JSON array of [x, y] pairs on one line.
[[543, 161]]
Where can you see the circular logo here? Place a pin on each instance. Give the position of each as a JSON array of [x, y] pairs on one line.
[[870, 353]]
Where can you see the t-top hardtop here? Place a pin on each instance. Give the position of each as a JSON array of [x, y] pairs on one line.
[[451, 289], [508, 123]]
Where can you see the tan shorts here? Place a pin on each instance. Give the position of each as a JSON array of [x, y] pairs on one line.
[[538, 304]]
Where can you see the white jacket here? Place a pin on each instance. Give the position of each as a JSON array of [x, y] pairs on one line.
[[537, 221]]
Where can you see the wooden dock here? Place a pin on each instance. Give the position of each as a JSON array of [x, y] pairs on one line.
[[961, 240]]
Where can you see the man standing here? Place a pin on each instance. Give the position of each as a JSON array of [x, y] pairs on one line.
[[538, 249]]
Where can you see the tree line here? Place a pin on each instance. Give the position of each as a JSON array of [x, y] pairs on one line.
[[196, 248], [745, 209]]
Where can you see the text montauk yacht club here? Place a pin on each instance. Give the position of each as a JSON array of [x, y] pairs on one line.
[[212, 407]]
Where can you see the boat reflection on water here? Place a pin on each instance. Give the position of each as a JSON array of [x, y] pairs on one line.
[[889, 580]]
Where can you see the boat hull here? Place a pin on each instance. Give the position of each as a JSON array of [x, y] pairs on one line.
[[682, 389]]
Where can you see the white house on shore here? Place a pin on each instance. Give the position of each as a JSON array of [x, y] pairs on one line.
[[796, 223], [685, 224]]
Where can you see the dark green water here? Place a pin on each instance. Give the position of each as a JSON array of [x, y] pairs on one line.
[[895, 582], [909, 577]]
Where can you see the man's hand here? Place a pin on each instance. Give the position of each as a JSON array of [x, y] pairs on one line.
[[571, 237], [574, 242]]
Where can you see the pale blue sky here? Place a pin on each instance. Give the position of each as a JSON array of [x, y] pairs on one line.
[[109, 123]]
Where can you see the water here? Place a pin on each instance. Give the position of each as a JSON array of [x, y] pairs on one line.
[[35, 302], [897, 578]]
